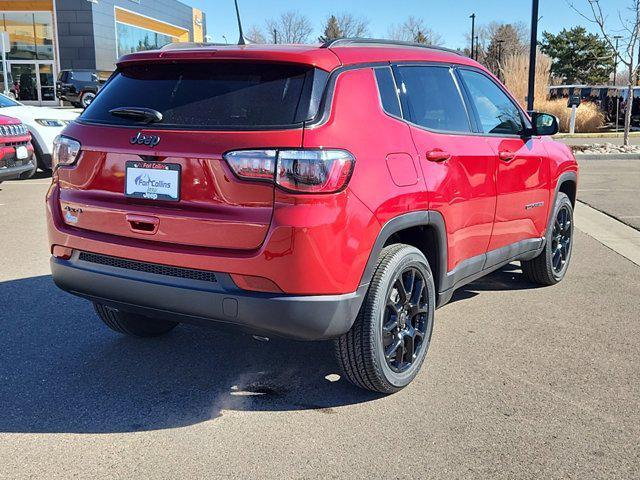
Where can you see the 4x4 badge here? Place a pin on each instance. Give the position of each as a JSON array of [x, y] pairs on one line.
[[149, 140]]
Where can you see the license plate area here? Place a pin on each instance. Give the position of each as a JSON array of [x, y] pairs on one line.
[[152, 181]]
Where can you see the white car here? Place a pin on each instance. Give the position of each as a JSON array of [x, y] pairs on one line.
[[43, 123]]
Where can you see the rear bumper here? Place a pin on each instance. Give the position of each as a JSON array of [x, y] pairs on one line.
[[314, 317]]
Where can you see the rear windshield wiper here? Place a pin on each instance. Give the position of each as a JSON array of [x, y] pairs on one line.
[[139, 114]]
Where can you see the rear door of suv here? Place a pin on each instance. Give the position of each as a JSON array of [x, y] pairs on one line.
[[205, 109], [522, 171], [458, 168]]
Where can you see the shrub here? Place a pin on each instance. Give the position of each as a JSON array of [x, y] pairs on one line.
[[515, 71], [589, 118]]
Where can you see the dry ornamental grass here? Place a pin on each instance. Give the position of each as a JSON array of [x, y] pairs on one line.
[[515, 71]]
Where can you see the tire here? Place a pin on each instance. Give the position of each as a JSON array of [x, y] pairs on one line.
[[361, 351], [86, 99], [132, 324], [37, 151], [545, 269]]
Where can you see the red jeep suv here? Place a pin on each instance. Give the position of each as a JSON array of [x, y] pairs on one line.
[[341, 191]]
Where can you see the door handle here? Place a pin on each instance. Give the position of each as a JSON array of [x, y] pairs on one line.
[[506, 155], [437, 155]]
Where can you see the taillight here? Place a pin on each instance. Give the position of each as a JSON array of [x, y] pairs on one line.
[[252, 164], [299, 171], [314, 171], [65, 151]]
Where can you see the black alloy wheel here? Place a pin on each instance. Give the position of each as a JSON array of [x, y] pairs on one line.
[[404, 327], [561, 239]]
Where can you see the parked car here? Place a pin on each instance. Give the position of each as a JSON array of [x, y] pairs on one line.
[[79, 87], [43, 123], [336, 192], [16, 153]]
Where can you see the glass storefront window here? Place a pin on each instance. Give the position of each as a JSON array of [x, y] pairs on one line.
[[30, 33], [43, 27], [135, 39], [20, 28]]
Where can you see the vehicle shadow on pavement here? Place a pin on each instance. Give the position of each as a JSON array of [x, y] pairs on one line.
[[509, 277], [62, 370]]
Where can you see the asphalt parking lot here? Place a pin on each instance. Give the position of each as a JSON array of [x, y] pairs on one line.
[[520, 382], [613, 187]]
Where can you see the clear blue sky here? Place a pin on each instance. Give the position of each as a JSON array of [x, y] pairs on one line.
[[449, 18]]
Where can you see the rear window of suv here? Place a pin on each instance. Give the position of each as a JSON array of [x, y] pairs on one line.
[[208, 95]]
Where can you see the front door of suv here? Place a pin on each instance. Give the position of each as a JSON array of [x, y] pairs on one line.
[[459, 170], [522, 163]]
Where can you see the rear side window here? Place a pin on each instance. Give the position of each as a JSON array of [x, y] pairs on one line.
[[387, 90], [434, 99], [496, 112], [83, 76], [207, 95]]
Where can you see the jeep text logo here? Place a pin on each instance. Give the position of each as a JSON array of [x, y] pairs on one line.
[[140, 139]]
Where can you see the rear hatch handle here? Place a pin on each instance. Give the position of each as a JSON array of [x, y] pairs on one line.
[[143, 224]]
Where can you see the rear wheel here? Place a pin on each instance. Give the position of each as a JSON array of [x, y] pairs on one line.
[[87, 98], [132, 324], [551, 265], [388, 342]]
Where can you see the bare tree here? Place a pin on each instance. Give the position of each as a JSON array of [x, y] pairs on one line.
[[414, 30], [352, 26], [497, 39], [629, 28], [255, 35], [344, 25], [290, 27]]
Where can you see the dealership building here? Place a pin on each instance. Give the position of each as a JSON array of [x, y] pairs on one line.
[[47, 36]]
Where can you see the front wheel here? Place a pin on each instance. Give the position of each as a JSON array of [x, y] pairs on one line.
[[388, 342], [551, 265], [132, 324]]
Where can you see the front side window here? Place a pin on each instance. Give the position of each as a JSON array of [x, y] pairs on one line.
[[434, 99], [497, 113]]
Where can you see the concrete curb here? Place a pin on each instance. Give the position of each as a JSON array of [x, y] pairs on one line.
[[612, 233], [595, 135], [607, 156]]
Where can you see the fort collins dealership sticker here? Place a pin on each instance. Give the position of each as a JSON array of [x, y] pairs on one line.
[[153, 181]]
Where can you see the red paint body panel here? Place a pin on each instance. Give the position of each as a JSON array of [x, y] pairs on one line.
[[523, 190], [462, 189], [313, 243]]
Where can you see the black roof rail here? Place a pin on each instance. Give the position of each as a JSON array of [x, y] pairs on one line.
[[338, 42]]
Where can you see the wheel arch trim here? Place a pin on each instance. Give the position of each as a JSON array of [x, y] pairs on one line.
[[430, 218], [568, 176]]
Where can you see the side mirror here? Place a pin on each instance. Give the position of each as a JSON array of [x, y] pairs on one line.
[[544, 124]]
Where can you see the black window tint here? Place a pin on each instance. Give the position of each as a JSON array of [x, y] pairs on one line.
[[434, 99], [83, 76], [205, 95], [388, 93], [496, 111]]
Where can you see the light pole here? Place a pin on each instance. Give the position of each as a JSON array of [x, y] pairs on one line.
[[500, 42], [615, 59], [473, 31], [532, 55], [477, 48]]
